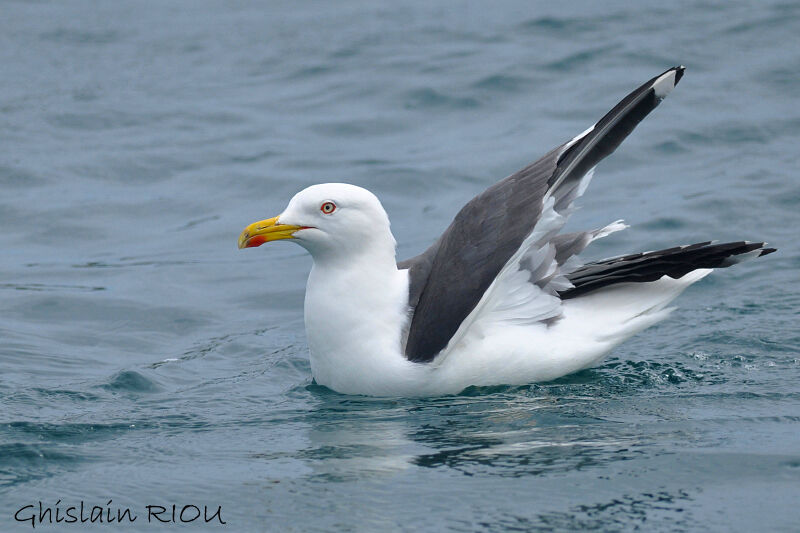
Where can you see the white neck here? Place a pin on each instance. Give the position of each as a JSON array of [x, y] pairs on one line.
[[356, 308]]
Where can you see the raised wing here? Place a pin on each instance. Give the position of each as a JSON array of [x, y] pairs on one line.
[[450, 278]]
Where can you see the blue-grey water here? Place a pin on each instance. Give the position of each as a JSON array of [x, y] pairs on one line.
[[147, 361]]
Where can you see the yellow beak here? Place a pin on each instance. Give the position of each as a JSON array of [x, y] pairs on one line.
[[268, 230]]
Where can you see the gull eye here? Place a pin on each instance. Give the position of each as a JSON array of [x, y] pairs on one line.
[[327, 208]]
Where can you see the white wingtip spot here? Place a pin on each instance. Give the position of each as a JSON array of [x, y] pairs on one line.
[[664, 84]]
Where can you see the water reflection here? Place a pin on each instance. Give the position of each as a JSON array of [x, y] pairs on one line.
[[511, 431]]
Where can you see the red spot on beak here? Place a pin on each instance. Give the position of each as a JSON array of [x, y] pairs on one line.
[[257, 240]]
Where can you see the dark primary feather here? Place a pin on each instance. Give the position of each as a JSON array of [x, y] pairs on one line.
[[651, 266], [448, 280]]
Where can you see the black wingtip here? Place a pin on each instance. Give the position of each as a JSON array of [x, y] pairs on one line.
[[679, 73], [674, 262], [767, 251]]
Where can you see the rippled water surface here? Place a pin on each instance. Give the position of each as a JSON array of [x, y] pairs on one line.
[[145, 360]]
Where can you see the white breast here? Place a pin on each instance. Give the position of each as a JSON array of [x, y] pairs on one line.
[[354, 320]]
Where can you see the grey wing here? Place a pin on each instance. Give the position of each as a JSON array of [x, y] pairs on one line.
[[449, 279]]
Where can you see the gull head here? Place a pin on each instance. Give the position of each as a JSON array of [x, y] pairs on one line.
[[329, 220]]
